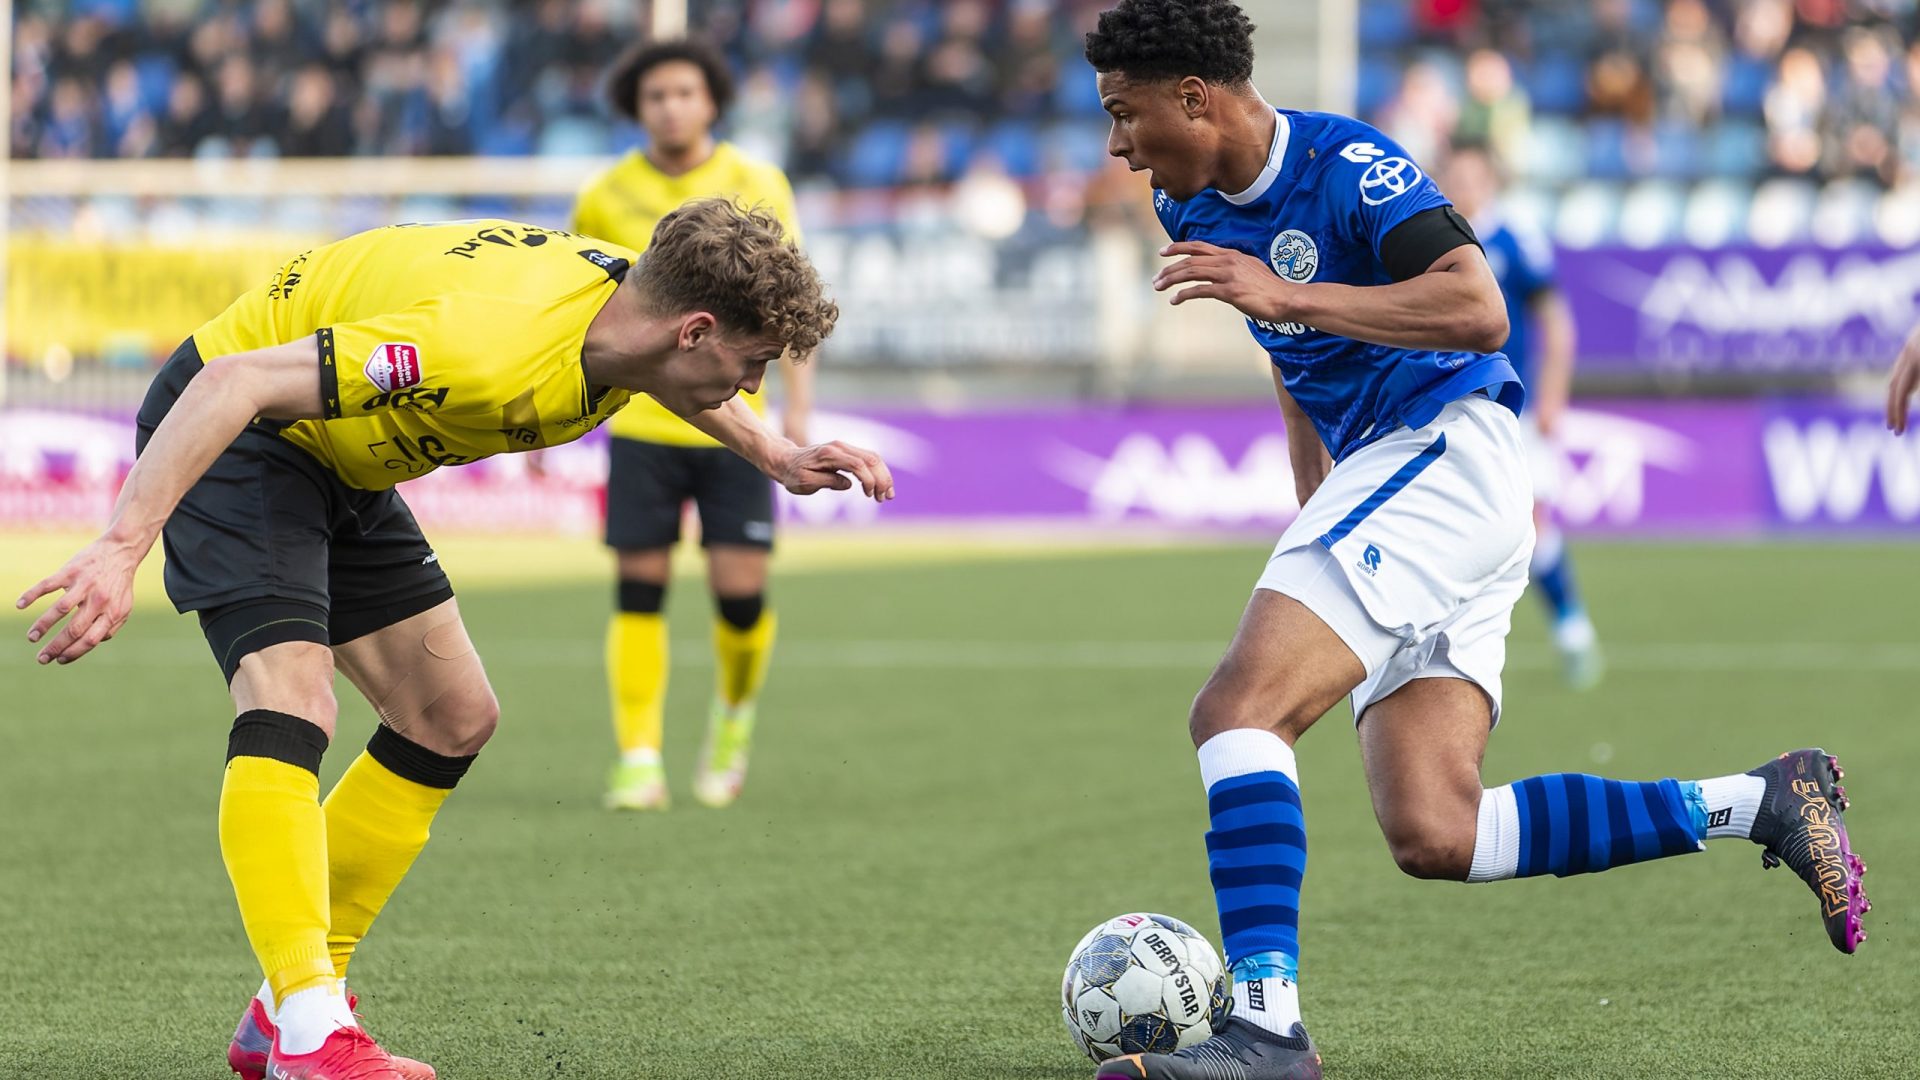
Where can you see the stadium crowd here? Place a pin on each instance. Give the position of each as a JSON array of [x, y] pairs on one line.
[[1821, 89], [852, 91], [871, 92]]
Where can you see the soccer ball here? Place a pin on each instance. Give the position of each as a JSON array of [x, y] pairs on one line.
[[1143, 984]]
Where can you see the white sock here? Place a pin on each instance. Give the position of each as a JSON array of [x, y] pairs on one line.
[[1246, 750], [1575, 633], [306, 1019], [643, 755], [265, 998], [1272, 1003], [1496, 838], [1732, 803]]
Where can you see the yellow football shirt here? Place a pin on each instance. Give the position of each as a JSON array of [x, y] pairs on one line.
[[624, 203], [440, 343]]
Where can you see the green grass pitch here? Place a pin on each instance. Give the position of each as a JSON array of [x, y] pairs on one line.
[[961, 767]]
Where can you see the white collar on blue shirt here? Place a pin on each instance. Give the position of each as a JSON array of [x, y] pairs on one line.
[[1282, 131]]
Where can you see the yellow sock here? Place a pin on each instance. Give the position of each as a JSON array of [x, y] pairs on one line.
[[741, 658], [273, 839], [377, 822], [637, 676]]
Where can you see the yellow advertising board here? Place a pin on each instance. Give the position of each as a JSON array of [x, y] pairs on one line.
[[133, 299]]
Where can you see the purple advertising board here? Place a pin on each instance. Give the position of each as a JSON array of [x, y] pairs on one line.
[[1706, 468], [1741, 310]]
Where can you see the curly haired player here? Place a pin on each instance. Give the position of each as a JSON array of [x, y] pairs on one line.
[[270, 445]]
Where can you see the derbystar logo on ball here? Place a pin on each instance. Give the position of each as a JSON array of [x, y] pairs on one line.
[[394, 366]]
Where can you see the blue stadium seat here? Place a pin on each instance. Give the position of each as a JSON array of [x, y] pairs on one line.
[[1735, 148], [1378, 80], [1076, 94], [1385, 24], [155, 72], [1607, 149], [1745, 89], [959, 138], [1016, 144], [877, 154], [1556, 150], [1077, 145], [1676, 150], [1556, 83]]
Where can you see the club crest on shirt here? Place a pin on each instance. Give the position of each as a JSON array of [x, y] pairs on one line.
[[1294, 256], [394, 366]]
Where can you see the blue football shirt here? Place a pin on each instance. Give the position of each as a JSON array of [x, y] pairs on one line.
[[1522, 262], [1332, 189]]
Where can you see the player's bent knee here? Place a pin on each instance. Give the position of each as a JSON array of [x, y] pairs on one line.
[[458, 721], [1431, 852], [1224, 704]]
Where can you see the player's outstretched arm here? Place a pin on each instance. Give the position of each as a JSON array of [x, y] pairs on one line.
[[796, 399], [1902, 382], [1455, 305], [96, 585], [802, 470]]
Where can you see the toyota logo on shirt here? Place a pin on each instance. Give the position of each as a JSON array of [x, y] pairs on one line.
[[1388, 178]]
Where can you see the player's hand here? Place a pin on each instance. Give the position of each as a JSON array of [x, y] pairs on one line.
[[96, 588], [1901, 384], [1234, 277], [835, 465]]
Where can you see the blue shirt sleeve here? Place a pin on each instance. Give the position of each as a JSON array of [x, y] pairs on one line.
[[1374, 185]]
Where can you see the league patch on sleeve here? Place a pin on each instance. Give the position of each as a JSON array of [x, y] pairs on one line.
[[394, 366]]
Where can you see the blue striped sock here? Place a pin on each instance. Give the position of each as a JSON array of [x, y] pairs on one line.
[[1256, 855], [1571, 823]]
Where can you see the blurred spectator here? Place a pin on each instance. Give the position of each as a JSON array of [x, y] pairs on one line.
[[241, 114], [1496, 112], [318, 124], [1422, 116], [1865, 110], [189, 118], [1795, 103]]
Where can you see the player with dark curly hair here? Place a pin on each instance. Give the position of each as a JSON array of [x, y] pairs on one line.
[[1395, 585], [677, 91]]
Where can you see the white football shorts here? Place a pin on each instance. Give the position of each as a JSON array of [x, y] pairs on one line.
[[1415, 548]]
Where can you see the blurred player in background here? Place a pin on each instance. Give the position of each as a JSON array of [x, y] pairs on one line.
[[678, 91], [269, 448], [1395, 586], [1540, 345]]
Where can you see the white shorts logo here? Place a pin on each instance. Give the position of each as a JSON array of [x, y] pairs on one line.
[[1388, 179], [1294, 256]]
